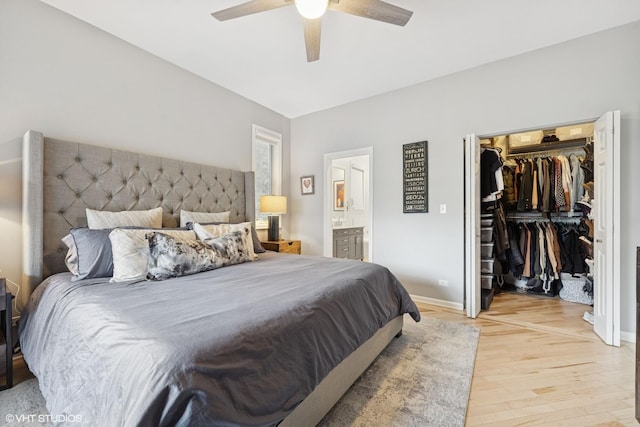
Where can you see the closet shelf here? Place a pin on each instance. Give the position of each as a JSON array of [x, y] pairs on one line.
[[548, 146]]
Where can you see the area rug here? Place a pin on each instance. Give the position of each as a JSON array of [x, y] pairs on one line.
[[422, 378]]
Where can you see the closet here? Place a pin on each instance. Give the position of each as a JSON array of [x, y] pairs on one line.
[[536, 211], [536, 193]]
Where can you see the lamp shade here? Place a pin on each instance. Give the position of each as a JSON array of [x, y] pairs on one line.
[[273, 204]]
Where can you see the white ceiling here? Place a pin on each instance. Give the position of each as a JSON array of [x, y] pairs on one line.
[[262, 57]]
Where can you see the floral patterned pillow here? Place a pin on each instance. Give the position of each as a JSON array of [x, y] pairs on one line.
[[172, 256]]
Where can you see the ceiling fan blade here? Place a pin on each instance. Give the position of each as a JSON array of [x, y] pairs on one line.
[[373, 9], [249, 8], [312, 38]]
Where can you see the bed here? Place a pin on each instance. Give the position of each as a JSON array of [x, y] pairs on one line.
[[271, 342]]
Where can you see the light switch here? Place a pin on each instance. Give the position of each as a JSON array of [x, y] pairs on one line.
[[443, 209]]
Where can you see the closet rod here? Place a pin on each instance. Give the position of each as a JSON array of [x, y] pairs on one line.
[[573, 217], [578, 151], [560, 219]]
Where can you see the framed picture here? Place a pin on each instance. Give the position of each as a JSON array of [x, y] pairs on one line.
[[414, 179], [307, 185], [338, 195]]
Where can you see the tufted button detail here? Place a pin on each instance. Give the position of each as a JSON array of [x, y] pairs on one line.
[[61, 212], [224, 190], [110, 197], [110, 164], [150, 183], [200, 175], [161, 198], [215, 177], [77, 159], [171, 211], [60, 249], [171, 185], [124, 182], [160, 170], [94, 179], [208, 189], [137, 197], [191, 187], [60, 176], [137, 167], [78, 195], [181, 172]]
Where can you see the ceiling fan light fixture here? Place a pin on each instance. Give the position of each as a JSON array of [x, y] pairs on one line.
[[312, 9]]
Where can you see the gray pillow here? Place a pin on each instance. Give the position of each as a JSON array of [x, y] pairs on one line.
[[257, 246], [94, 253]]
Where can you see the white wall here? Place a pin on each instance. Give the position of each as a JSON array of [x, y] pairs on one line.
[[72, 81], [570, 82]]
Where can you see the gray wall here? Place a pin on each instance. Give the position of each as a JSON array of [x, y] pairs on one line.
[[570, 82], [72, 81]]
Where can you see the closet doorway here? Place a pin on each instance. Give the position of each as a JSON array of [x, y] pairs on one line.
[[606, 237], [348, 203]]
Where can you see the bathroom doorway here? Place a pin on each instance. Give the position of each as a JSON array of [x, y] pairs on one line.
[[348, 205]]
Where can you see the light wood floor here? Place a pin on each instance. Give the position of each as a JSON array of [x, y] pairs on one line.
[[540, 364]]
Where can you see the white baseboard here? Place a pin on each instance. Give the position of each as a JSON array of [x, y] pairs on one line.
[[438, 302], [627, 336]]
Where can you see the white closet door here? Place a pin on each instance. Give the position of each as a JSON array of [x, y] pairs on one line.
[[472, 224], [606, 214]]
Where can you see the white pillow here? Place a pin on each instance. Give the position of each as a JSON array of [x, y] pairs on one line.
[[131, 251], [98, 220], [71, 259], [211, 231], [188, 216]]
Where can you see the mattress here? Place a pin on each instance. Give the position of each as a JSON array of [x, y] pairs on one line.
[[241, 345]]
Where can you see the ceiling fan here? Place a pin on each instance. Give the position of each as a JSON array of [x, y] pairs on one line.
[[312, 11]]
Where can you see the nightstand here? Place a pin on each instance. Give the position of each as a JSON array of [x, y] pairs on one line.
[[6, 338], [285, 246]]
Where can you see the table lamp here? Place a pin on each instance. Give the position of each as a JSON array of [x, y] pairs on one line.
[[273, 206]]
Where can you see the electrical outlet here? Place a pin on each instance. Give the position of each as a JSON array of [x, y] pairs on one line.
[[443, 282], [443, 209]]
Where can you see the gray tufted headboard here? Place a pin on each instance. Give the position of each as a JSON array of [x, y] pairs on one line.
[[61, 179]]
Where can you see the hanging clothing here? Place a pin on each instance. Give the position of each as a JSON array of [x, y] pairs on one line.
[[491, 183], [526, 187], [500, 232], [567, 183], [577, 178], [509, 195]]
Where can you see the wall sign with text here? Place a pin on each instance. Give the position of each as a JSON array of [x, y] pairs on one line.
[[414, 179]]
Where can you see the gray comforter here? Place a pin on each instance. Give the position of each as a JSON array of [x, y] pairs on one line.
[[242, 345]]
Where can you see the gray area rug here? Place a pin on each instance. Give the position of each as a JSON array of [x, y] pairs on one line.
[[421, 379]]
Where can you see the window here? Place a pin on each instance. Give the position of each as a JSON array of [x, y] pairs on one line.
[[267, 165]]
